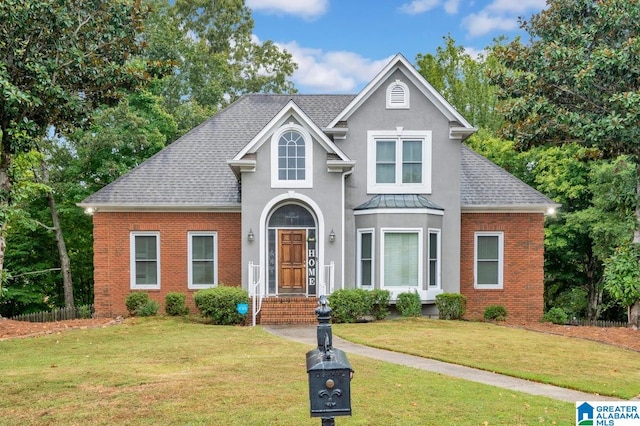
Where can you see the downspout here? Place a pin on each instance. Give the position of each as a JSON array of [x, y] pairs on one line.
[[344, 213]]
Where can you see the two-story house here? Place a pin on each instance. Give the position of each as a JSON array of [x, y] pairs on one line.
[[293, 196]]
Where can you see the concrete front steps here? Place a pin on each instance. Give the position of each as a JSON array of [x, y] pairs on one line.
[[288, 310]]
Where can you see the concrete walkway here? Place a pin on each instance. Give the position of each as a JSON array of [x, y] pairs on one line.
[[307, 335]]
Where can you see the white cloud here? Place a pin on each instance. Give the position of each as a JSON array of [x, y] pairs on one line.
[[515, 7], [451, 6], [500, 15], [419, 6], [482, 23], [331, 72], [307, 9]]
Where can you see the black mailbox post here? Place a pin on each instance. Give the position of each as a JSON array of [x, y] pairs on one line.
[[329, 372]]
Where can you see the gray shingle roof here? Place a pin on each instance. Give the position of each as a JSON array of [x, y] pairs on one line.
[[193, 172], [398, 201], [483, 184]]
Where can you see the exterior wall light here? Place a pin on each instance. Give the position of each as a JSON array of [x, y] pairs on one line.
[[251, 237], [332, 236]]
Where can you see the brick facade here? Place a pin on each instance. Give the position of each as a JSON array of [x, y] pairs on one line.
[[111, 233], [523, 290]]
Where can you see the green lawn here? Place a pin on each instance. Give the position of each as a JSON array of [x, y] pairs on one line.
[[572, 363], [165, 371]]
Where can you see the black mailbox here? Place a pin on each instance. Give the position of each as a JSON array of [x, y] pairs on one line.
[[329, 371]]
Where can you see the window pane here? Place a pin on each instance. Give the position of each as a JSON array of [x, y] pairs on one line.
[[203, 272], [401, 259], [366, 246], [487, 247], [433, 270], [145, 247], [146, 272], [433, 245], [412, 161], [366, 272], [411, 173], [385, 173], [385, 151], [202, 247], [488, 272], [412, 151]]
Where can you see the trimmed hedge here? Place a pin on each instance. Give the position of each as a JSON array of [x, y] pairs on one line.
[[495, 313], [409, 304], [136, 301], [451, 306], [220, 304], [555, 315], [357, 304], [176, 304]]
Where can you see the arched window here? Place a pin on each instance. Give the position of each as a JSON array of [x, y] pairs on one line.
[[291, 157], [398, 95]]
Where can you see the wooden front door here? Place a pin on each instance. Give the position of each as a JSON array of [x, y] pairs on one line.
[[292, 274]]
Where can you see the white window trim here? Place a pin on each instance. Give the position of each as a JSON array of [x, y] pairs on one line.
[[401, 289], [276, 182], [500, 236], [373, 257], [132, 260], [438, 232], [190, 283], [393, 105], [399, 188]]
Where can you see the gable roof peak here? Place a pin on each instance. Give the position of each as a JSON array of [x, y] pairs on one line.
[[399, 62]]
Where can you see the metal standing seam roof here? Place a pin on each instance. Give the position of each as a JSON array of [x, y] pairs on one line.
[[193, 172], [399, 201]]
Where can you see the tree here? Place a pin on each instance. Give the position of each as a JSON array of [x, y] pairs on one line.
[[60, 59], [577, 81], [463, 81], [216, 58]]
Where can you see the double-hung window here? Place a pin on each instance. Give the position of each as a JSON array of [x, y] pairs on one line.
[[434, 258], [365, 258], [399, 162], [203, 259], [489, 248], [145, 260]]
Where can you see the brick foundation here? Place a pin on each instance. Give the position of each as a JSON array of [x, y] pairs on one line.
[[523, 290]]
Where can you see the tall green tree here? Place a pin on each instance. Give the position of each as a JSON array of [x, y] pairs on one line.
[[60, 59], [576, 81], [215, 55], [463, 81]]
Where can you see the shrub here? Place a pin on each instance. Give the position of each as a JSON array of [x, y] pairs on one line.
[[451, 306], [220, 304], [409, 304], [556, 316], [149, 309], [176, 304], [84, 311], [350, 305], [380, 303], [495, 313], [135, 301]]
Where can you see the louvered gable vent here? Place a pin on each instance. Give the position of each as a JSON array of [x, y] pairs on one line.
[[397, 95]]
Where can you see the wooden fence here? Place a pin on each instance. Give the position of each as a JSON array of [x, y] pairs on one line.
[[596, 323], [60, 314]]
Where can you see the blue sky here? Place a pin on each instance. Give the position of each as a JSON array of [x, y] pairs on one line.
[[340, 45]]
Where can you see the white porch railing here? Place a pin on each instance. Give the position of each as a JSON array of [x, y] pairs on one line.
[[326, 286], [256, 290]]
